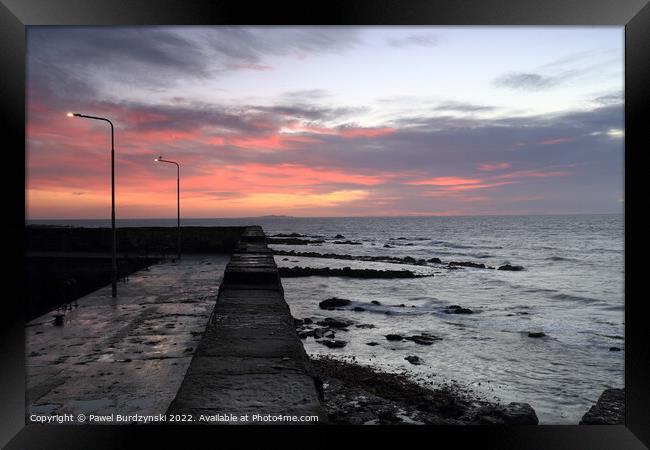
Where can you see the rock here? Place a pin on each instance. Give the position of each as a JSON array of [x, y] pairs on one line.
[[511, 414], [359, 309], [375, 302], [346, 272], [457, 309], [365, 325], [333, 302], [467, 264], [347, 242], [372, 344], [294, 241], [318, 333], [614, 349], [423, 339], [307, 320], [413, 360], [334, 323], [388, 416], [339, 236], [512, 268], [536, 334], [434, 260], [388, 246], [289, 235], [297, 322], [333, 344], [394, 337], [608, 410]]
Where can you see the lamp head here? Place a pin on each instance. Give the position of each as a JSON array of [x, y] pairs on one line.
[[158, 159], [73, 114]]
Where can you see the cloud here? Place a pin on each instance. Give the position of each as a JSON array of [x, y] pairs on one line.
[[610, 99], [526, 81], [92, 62], [494, 166], [249, 66], [312, 94], [273, 155], [462, 107], [556, 141], [582, 65], [425, 40], [309, 111], [446, 181]]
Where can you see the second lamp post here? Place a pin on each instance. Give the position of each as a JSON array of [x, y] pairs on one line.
[[178, 199]]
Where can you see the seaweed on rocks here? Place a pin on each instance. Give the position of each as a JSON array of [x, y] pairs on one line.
[[296, 271], [355, 395]]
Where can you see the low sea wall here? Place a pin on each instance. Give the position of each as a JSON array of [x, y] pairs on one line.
[[250, 366], [132, 240]]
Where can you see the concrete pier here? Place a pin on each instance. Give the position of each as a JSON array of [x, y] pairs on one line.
[[126, 355], [176, 340], [250, 366]]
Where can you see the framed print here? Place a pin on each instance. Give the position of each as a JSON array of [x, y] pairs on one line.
[[370, 219]]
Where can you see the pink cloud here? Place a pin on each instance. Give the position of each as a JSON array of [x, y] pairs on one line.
[[533, 174], [446, 181], [556, 141], [495, 166]]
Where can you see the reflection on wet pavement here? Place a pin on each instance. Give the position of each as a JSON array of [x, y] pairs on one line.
[[126, 355]]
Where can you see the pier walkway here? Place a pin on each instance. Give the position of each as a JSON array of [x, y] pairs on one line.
[[126, 355], [176, 341], [250, 364]]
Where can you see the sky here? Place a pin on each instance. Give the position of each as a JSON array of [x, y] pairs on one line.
[[325, 121]]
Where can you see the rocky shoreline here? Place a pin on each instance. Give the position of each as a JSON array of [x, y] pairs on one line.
[[355, 394], [608, 410], [408, 260], [359, 395], [346, 272]]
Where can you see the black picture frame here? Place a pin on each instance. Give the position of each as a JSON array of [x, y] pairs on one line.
[[15, 15]]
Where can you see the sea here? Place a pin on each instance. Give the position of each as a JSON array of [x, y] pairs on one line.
[[571, 289]]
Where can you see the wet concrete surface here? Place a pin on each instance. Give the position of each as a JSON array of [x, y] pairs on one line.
[[250, 360], [127, 355]]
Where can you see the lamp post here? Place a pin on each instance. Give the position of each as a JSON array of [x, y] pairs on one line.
[[178, 199], [114, 245]]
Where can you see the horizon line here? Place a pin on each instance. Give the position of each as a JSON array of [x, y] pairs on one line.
[[268, 216]]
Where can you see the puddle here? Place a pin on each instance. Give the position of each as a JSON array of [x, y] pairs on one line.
[[44, 409], [86, 406]]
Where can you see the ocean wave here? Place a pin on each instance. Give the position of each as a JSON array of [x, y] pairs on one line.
[[576, 298], [463, 246], [536, 290]]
